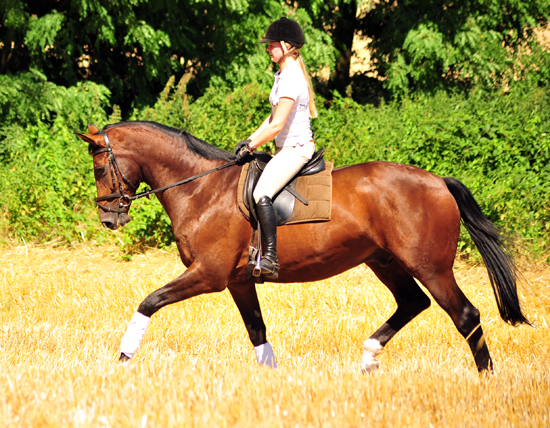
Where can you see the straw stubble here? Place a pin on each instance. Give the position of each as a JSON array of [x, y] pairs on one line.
[[63, 313]]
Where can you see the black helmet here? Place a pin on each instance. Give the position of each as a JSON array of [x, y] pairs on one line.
[[286, 30]]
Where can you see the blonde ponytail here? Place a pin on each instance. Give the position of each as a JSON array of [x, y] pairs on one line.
[[294, 52], [312, 107]]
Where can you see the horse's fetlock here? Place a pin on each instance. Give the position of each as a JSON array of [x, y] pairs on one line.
[[470, 314], [257, 337], [371, 349], [147, 307], [470, 321]]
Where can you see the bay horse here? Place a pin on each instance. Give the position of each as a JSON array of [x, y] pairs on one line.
[[401, 221]]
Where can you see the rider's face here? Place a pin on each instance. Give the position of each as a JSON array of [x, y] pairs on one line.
[[275, 51]]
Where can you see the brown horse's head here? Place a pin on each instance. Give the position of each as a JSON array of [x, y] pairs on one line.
[[116, 177]]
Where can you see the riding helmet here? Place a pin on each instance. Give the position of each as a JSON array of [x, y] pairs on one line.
[[286, 30]]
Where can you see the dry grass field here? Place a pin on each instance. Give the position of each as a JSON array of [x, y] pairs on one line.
[[63, 313]]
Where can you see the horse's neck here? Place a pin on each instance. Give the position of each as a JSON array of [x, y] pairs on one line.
[[167, 161]]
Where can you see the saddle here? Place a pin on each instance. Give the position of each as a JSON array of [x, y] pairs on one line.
[[284, 202], [312, 187]]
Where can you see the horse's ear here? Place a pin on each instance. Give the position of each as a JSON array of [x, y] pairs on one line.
[[92, 129], [96, 140]]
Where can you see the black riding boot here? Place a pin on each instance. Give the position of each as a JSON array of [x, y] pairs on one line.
[[268, 223]]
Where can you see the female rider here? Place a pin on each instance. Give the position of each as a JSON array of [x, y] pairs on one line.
[[292, 106]]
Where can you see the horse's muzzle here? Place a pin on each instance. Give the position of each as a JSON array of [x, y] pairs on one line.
[[112, 220]]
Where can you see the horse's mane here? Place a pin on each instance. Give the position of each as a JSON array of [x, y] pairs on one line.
[[196, 145]]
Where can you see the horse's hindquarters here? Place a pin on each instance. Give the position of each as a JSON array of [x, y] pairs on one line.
[[380, 212]]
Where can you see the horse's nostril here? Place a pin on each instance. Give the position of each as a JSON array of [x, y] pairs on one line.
[[109, 220]]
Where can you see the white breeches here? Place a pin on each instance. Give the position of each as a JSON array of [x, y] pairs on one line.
[[279, 171]]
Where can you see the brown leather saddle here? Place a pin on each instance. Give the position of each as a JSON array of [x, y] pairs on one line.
[[284, 201]]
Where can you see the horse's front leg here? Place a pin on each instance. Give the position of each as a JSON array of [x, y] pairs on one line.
[[193, 282], [246, 299]]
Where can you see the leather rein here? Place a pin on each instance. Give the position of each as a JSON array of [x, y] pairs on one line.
[[125, 199]]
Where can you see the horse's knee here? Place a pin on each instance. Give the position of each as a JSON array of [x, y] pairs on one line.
[[171, 294], [423, 302]]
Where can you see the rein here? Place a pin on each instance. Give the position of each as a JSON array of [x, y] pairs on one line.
[[121, 178], [179, 183]]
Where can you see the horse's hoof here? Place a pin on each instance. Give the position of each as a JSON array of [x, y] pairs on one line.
[[370, 367], [125, 359]]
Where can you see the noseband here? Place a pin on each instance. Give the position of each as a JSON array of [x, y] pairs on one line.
[[126, 199], [114, 167]]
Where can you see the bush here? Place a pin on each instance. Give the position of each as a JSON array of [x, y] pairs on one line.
[[498, 145], [47, 189]]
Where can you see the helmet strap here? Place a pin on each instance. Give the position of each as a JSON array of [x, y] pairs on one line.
[[286, 52]]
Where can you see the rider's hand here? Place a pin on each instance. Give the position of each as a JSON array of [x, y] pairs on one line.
[[243, 143], [243, 152]]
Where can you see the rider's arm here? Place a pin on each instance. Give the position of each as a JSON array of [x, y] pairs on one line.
[[271, 128], [261, 128]]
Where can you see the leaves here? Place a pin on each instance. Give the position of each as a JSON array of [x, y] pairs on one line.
[[447, 66], [431, 45], [134, 46], [42, 31]]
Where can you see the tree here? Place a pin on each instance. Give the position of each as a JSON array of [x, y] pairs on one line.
[[134, 46], [429, 45], [338, 19]]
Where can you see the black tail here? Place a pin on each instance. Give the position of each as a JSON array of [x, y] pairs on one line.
[[489, 242]]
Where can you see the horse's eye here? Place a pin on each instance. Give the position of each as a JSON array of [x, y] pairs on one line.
[[100, 172]]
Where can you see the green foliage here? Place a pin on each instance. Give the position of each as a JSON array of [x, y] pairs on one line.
[[47, 187], [499, 146], [42, 32], [338, 20], [431, 45], [134, 46], [47, 190], [28, 99], [212, 117]]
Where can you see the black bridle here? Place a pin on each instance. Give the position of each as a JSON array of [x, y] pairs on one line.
[[125, 199]]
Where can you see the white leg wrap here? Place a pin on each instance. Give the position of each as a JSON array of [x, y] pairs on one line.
[[134, 334], [265, 355], [371, 349]]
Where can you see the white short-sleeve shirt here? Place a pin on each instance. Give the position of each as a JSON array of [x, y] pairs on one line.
[[291, 83]]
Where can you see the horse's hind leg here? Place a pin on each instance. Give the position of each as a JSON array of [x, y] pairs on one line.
[[465, 316], [246, 299], [410, 299]]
